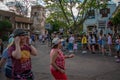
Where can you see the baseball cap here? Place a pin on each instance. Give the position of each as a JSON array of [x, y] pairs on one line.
[[19, 32], [55, 41]]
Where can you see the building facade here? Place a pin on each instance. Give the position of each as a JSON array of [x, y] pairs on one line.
[[38, 18], [17, 21], [98, 19]]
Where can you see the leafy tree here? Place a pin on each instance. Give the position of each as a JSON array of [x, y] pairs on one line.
[[116, 19], [5, 26], [65, 8]]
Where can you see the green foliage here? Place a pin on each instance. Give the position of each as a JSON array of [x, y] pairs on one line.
[[5, 24], [116, 19], [4, 38], [4, 28], [56, 24], [62, 11]]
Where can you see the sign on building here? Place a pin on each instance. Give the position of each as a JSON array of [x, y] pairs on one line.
[[101, 24]]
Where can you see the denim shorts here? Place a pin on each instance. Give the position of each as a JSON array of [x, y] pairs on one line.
[[8, 71]]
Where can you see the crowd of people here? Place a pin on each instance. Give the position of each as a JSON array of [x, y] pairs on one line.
[[17, 59], [104, 44]]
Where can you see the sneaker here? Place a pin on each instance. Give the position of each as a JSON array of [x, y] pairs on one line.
[[70, 51], [83, 52], [93, 52], [115, 57]]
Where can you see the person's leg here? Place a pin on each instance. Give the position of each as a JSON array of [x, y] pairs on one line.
[[93, 48], [89, 47], [103, 50], [8, 73], [118, 57], [58, 75], [82, 47], [68, 46], [72, 46], [99, 47], [109, 45]]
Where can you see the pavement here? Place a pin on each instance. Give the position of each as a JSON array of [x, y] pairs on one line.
[[82, 67]]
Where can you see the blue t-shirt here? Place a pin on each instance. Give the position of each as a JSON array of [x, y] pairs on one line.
[[7, 57]]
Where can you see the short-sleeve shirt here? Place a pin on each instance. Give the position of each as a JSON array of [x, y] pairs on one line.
[[84, 40], [23, 64], [71, 39]]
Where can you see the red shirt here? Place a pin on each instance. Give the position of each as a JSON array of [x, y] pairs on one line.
[[23, 64], [60, 60]]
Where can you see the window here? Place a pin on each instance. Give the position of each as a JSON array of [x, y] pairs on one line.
[[7, 18], [104, 12], [36, 14], [91, 14]]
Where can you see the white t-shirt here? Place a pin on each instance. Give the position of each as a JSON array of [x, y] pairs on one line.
[[109, 40], [71, 39], [40, 37]]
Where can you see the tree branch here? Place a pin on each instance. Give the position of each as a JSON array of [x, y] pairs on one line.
[[62, 8]]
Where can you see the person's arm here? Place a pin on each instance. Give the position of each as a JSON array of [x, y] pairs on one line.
[[17, 53], [52, 62], [4, 57], [2, 61], [33, 50], [69, 56]]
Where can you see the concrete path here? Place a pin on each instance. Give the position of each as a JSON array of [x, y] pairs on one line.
[[81, 67]]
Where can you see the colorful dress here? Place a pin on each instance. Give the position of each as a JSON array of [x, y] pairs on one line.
[[75, 47], [60, 62]]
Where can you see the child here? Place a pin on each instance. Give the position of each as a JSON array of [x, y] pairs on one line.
[[75, 46], [84, 44]]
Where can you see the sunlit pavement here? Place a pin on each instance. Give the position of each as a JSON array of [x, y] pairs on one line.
[[81, 67]]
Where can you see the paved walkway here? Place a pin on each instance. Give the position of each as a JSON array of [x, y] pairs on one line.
[[81, 67]]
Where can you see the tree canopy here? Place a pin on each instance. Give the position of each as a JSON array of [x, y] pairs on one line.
[[64, 11], [116, 19], [5, 24]]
